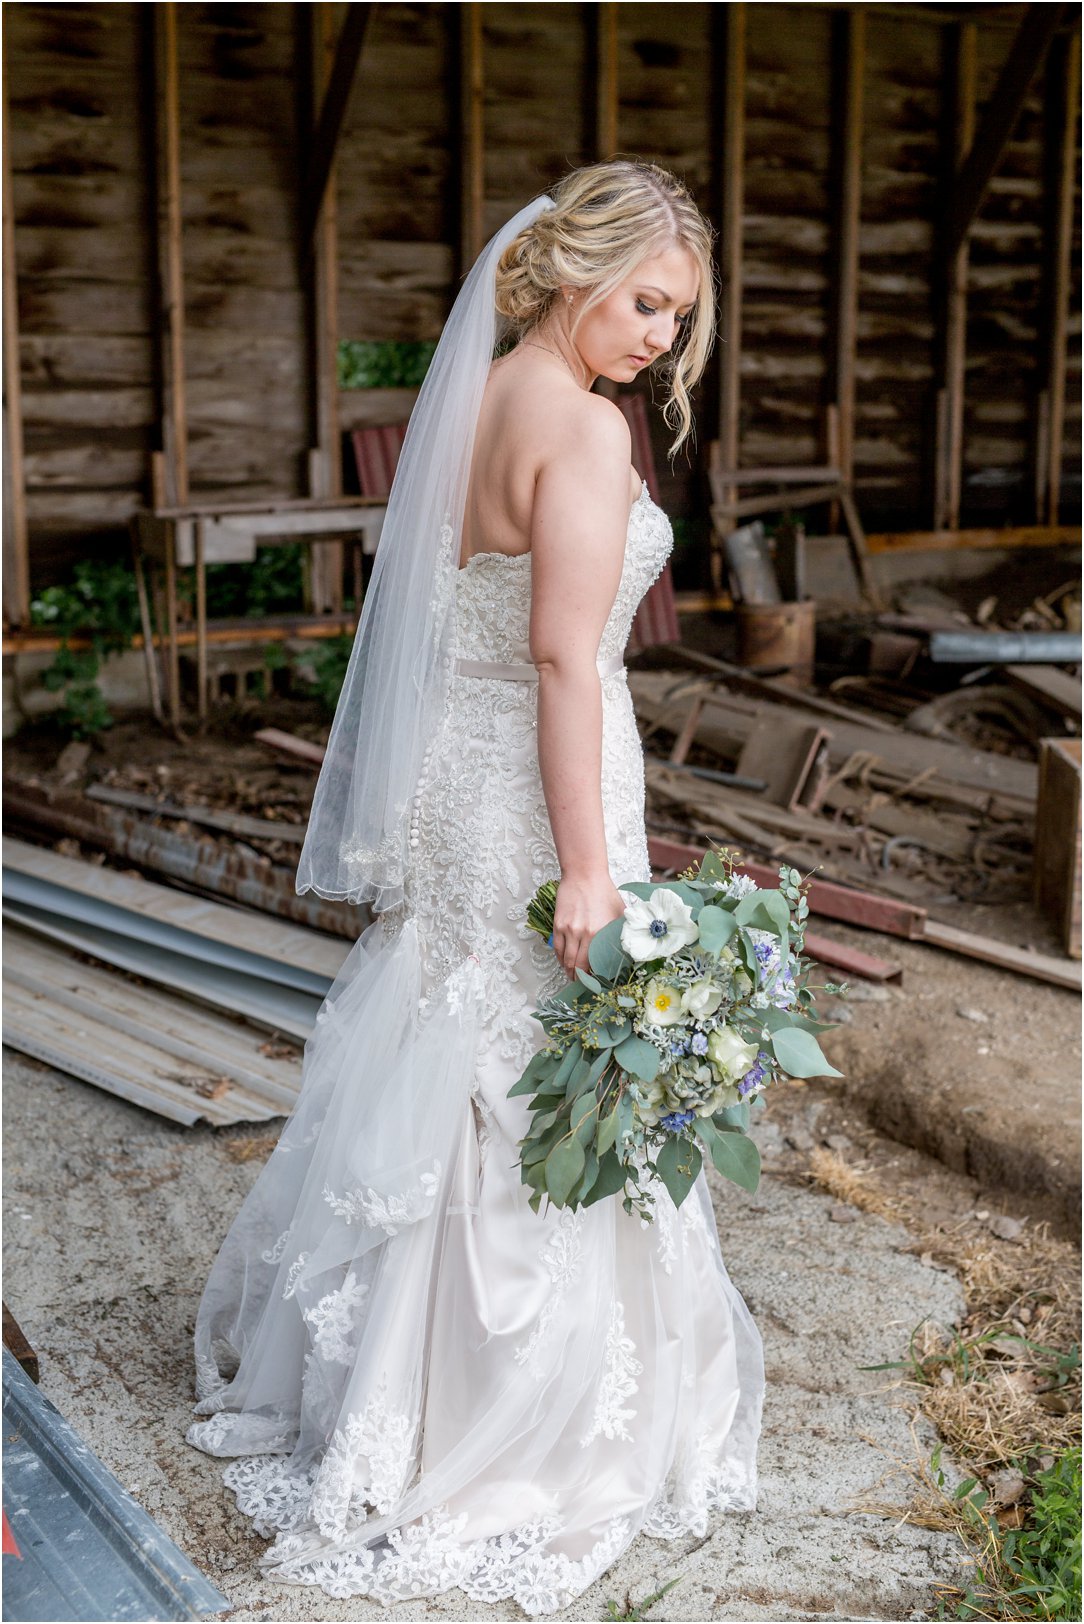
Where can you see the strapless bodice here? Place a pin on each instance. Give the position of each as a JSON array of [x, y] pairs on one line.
[[493, 591]]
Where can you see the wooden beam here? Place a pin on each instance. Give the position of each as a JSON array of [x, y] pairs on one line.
[[325, 459], [336, 95], [604, 16], [852, 51], [1066, 105], [471, 133], [1025, 57], [949, 457], [16, 554], [170, 258], [731, 26], [937, 541]]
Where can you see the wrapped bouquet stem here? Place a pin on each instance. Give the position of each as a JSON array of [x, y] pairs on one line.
[[697, 997]]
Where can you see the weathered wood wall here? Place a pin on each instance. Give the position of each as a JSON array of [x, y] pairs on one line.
[[82, 155]]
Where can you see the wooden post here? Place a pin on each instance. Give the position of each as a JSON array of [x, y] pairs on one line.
[[731, 206], [331, 113], [170, 258], [949, 457], [604, 44], [1037, 28], [605, 52], [471, 134], [1067, 100], [16, 554], [849, 192], [325, 462]]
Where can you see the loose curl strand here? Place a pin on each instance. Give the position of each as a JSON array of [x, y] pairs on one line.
[[606, 220]]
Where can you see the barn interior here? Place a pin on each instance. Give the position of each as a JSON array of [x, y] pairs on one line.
[[231, 235]]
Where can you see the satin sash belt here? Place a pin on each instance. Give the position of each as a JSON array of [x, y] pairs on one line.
[[608, 667]]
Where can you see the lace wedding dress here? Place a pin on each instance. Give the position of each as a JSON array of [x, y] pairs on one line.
[[425, 1383]]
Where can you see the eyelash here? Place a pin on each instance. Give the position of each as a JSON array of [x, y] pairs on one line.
[[647, 310]]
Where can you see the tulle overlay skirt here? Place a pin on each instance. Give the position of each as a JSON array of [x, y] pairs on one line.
[[423, 1383]]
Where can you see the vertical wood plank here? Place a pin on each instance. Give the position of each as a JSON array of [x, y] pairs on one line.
[[471, 134], [325, 466], [16, 559], [731, 208], [1067, 107], [170, 255], [852, 26], [948, 475], [605, 42]]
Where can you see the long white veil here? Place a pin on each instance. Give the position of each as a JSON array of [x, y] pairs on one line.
[[356, 847]]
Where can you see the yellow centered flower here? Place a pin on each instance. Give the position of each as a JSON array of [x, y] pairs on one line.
[[662, 1004]]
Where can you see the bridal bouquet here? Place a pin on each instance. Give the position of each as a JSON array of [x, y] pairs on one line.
[[696, 999]]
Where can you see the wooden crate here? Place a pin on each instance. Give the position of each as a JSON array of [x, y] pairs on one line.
[[1057, 839]]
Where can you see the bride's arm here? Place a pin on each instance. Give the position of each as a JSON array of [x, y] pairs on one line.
[[578, 529]]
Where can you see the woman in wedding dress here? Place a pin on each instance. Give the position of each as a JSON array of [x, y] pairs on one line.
[[423, 1383]]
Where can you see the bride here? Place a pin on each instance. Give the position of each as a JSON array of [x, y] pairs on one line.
[[423, 1383]]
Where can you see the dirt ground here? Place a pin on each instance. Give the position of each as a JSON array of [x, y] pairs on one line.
[[960, 1097]]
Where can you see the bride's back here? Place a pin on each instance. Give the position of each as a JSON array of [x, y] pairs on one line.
[[528, 411], [525, 399]]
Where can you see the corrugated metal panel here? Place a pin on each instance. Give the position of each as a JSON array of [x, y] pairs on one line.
[[164, 1053], [278, 1008], [87, 1550], [276, 941]]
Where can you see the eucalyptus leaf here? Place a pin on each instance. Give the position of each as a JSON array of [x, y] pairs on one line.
[[611, 1179], [606, 955], [588, 980], [590, 1174], [569, 1061], [733, 1116], [678, 1163], [538, 1067], [712, 867], [607, 1132], [737, 1158], [639, 1057], [799, 1054], [716, 925], [564, 1166], [584, 1117]]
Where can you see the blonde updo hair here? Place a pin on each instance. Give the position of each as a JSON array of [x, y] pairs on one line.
[[606, 220]]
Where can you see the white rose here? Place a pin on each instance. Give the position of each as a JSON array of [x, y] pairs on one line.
[[658, 927], [702, 998], [729, 1054]]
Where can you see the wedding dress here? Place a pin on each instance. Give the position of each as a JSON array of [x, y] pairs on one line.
[[425, 1383]]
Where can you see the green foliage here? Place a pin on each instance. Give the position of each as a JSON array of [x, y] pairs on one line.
[[272, 583], [1043, 1557], [99, 603], [367, 364], [1030, 1572], [324, 670], [633, 1611]]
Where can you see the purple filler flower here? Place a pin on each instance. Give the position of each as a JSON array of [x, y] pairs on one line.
[[677, 1120], [756, 1074], [698, 1043]]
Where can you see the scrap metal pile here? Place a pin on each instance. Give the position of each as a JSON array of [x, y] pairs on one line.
[[936, 764]]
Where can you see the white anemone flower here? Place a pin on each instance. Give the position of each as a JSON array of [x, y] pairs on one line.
[[658, 927]]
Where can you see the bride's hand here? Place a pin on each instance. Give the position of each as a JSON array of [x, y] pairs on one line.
[[582, 908]]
